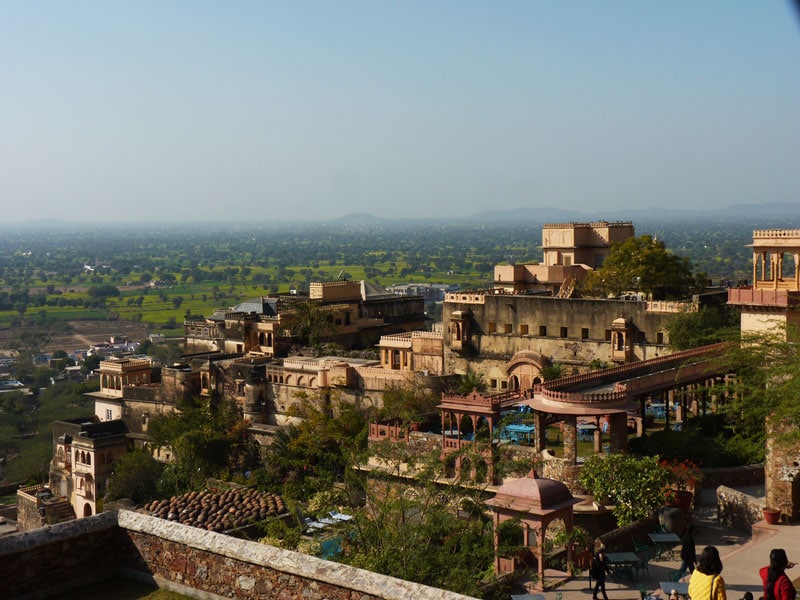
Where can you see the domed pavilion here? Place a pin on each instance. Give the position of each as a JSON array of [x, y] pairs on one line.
[[536, 502]]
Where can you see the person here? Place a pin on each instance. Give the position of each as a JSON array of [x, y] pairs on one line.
[[688, 552], [777, 585], [747, 596], [598, 572], [706, 582]]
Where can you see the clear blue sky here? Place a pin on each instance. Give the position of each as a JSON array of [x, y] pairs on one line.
[[257, 111]]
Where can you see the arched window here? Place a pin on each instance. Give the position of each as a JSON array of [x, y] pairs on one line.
[[88, 458], [87, 510]]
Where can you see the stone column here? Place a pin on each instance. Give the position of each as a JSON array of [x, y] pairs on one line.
[[540, 434], [570, 439], [618, 430]]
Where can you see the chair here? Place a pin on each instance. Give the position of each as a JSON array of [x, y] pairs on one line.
[[337, 516], [644, 562]]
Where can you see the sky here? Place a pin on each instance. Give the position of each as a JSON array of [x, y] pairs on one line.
[[162, 111]]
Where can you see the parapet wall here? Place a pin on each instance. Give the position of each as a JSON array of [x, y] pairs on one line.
[[188, 560], [44, 562]]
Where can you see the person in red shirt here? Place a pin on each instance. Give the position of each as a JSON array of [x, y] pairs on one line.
[[777, 585]]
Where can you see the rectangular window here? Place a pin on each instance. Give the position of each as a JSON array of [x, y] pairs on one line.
[[563, 332], [109, 414], [493, 383], [508, 328], [492, 327], [585, 333], [523, 329], [503, 385], [660, 337], [608, 335], [543, 330]]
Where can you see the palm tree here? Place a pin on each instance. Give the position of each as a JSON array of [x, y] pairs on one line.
[[471, 380]]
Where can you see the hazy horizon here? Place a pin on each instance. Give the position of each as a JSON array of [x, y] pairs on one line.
[[200, 111]]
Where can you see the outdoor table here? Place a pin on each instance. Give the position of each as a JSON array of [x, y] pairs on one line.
[[621, 564], [518, 432], [586, 432], [663, 544], [678, 586]]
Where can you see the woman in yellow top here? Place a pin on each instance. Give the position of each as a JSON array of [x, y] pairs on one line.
[[706, 582]]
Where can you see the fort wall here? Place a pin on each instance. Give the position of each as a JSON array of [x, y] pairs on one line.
[[191, 561]]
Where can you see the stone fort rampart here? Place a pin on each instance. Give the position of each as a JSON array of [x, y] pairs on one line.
[[191, 561]]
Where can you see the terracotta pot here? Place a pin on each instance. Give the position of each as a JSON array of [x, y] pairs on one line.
[[772, 516], [683, 500]]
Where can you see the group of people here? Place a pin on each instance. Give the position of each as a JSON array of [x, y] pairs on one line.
[[706, 583]]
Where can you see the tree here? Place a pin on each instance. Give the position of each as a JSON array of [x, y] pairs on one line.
[[208, 439], [432, 534], [105, 290], [553, 371], [329, 437], [635, 486], [471, 380], [311, 323], [709, 325], [135, 476], [90, 363], [766, 386], [410, 403], [642, 264]]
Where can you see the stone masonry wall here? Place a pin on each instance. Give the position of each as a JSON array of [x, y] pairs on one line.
[[186, 559], [42, 563], [191, 561]]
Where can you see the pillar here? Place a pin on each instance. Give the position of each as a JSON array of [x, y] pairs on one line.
[[540, 434], [570, 439], [618, 430]]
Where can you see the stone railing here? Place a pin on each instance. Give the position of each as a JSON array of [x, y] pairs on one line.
[[183, 559]]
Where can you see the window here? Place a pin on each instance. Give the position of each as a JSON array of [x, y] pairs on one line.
[[109, 414], [523, 329], [660, 337], [508, 328], [492, 327], [493, 383], [503, 385], [585, 333], [563, 332], [608, 335], [543, 330]]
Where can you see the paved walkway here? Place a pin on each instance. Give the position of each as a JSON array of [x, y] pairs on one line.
[[742, 555]]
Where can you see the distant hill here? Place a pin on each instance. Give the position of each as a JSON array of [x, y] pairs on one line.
[[548, 214]]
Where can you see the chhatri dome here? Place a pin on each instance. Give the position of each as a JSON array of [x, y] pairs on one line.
[[533, 494]]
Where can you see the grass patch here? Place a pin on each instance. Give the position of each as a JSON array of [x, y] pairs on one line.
[[120, 589]]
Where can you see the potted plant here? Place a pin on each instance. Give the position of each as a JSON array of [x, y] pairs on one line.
[[771, 515], [684, 477]]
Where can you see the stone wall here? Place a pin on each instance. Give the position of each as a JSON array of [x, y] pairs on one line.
[[191, 561], [738, 509], [47, 561]]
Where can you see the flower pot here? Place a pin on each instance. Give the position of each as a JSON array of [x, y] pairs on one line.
[[772, 516], [683, 500]]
